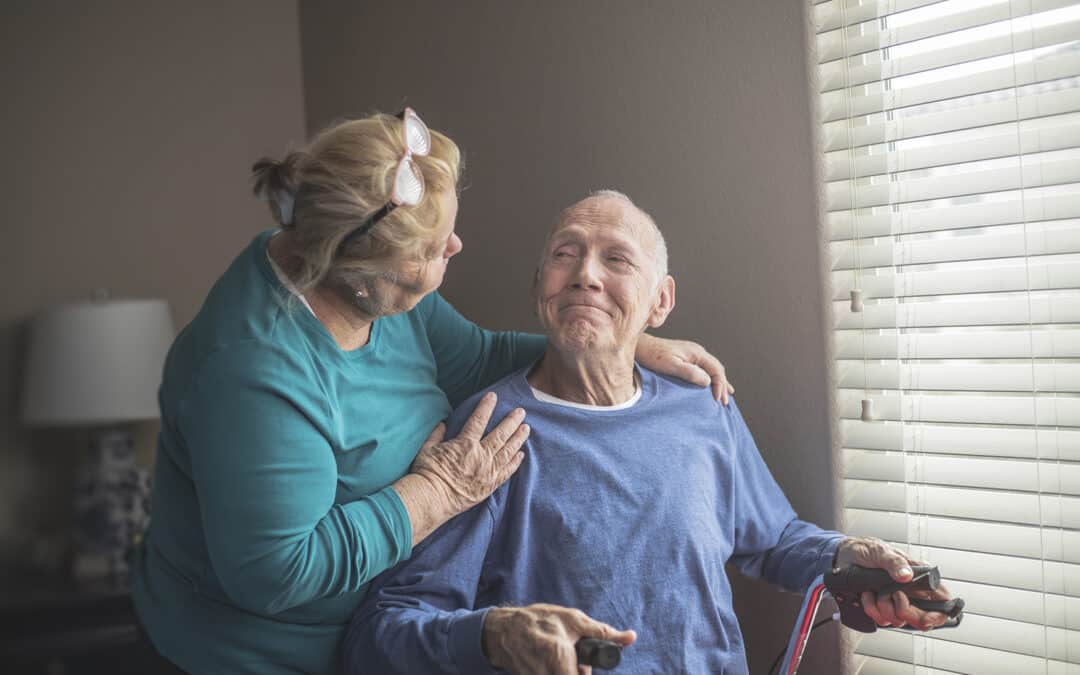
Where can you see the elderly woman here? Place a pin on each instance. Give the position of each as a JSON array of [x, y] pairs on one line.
[[301, 451]]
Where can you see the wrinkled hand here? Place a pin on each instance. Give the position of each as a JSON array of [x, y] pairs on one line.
[[467, 469], [685, 360], [539, 639], [893, 610]]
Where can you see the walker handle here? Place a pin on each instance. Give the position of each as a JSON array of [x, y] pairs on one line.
[[847, 585], [602, 654], [954, 609]]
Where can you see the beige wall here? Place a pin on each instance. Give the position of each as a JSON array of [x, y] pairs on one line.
[[698, 109], [128, 132]]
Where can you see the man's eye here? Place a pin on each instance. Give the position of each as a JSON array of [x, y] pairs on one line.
[[561, 254], [618, 259]]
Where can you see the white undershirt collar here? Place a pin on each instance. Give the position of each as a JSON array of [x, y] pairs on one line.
[[548, 398]]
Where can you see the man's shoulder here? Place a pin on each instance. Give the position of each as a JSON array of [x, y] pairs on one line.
[[671, 389], [512, 392], [681, 400]]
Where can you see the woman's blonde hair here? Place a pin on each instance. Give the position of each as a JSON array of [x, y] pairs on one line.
[[322, 193]]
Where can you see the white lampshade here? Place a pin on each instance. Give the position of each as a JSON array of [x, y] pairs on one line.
[[96, 363]]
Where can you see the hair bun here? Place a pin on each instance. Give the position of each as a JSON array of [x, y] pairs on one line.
[[276, 182]]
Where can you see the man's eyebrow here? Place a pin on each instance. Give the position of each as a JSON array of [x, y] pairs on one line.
[[571, 234], [563, 237], [566, 230]]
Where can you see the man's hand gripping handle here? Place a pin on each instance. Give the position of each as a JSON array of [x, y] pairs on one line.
[[849, 583]]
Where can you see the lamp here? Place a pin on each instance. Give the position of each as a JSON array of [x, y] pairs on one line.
[[98, 364]]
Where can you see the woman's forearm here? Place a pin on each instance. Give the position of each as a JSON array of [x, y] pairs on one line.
[[469, 358], [427, 509], [685, 360]]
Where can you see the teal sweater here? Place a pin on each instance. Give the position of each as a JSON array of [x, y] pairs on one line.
[[272, 508]]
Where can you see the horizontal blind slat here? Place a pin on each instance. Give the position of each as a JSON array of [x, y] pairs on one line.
[[1034, 239], [1000, 506], [1001, 107], [905, 647], [1021, 377], [873, 665], [866, 70], [963, 439], [1014, 604], [843, 104], [1045, 409], [844, 195], [1015, 637], [993, 473], [997, 278], [1039, 308], [1024, 541], [858, 39], [995, 343], [1030, 574], [832, 15], [1032, 205], [1035, 136]]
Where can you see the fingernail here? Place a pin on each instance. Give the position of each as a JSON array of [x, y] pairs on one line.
[[905, 571]]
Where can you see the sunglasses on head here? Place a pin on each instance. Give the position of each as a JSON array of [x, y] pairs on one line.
[[408, 187]]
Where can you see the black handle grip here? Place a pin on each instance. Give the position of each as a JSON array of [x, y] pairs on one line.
[[856, 580], [602, 654], [950, 608], [954, 609], [849, 583]]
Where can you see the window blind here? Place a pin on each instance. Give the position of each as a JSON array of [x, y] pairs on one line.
[[951, 132]]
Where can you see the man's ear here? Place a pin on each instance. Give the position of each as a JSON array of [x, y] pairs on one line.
[[663, 303]]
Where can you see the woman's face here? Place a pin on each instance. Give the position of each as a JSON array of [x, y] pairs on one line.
[[417, 279]]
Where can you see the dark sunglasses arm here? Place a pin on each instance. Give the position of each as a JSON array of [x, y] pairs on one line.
[[366, 226]]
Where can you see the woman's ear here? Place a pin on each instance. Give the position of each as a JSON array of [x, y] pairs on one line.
[[663, 303]]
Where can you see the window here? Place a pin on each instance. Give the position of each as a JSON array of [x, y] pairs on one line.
[[951, 132]]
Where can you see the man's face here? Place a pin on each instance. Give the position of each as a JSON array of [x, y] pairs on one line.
[[596, 288]]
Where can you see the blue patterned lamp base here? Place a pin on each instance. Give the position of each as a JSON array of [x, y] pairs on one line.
[[112, 507]]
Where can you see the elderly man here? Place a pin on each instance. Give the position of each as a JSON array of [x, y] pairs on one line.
[[636, 489]]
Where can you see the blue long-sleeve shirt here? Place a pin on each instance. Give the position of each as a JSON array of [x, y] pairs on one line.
[[628, 515], [272, 505]]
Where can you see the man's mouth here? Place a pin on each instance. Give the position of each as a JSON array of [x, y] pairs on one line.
[[582, 305]]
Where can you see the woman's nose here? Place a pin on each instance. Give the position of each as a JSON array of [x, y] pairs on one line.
[[454, 246]]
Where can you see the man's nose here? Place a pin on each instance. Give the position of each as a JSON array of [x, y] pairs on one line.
[[587, 274]]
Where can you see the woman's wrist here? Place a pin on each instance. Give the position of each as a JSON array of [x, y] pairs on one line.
[[425, 504]]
